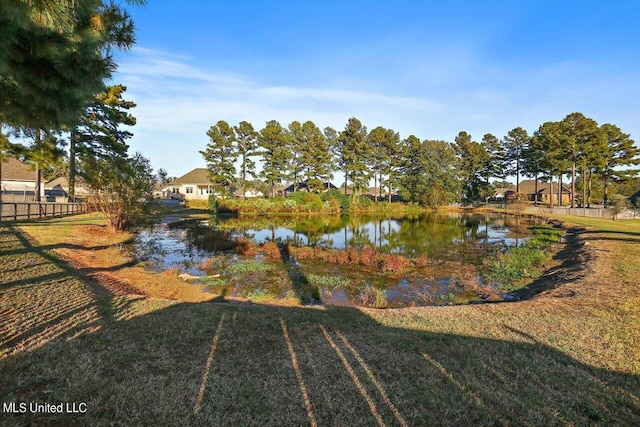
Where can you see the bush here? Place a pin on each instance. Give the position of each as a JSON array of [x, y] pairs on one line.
[[339, 197], [121, 187]]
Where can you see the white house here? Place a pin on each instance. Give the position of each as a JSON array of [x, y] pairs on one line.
[[193, 185], [18, 181]]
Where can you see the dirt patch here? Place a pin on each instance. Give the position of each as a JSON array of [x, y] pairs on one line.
[[102, 282], [572, 263]]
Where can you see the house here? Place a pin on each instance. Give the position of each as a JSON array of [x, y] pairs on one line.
[[249, 193], [634, 199], [17, 181], [194, 185], [499, 193], [302, 186], [528, 188], [58, 189]]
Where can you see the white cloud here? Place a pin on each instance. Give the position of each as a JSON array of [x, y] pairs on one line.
[[178, 100]]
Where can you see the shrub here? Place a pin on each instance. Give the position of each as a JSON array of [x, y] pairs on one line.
[[271, 250], [422, 261], [245, 247], [289, 204], [394, 263]]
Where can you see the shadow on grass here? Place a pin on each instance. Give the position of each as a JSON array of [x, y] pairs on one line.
[[142, 361], [138, 361]]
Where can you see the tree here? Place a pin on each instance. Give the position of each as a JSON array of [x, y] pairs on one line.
[[162, 176], [473, 159], [384, 145], [221, 154], [315, 157], [121, 187], [580, 133], [247, 146], [54, 56], [100, 131], [620, 151], [548, 143], [273, 140], [496, 162], [515, 143], [429, 172], [354, 152]]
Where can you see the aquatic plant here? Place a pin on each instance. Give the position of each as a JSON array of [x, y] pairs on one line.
[[212, 281], [258, 295], [328, 281], [249, 267], [370, 296]]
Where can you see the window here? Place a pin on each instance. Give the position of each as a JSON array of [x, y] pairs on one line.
[[189, 190]]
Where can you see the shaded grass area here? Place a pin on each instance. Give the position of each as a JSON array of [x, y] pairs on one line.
[[141, 361]]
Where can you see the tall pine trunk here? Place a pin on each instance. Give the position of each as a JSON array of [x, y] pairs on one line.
[[551, 189], [573, 185], [38, 171], [72, 166]]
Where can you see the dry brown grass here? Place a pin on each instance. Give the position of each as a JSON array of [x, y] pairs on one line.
[[569, 356]]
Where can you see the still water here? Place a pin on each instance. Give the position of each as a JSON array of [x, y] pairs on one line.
[[454, 244]]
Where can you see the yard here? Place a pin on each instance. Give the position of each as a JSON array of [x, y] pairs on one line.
[[75, 329]]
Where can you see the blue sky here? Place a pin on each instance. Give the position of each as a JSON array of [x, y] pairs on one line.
[[429, 68]]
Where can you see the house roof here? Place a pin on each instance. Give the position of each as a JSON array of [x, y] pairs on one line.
[[15, 170], [528, 186], [196, 176]]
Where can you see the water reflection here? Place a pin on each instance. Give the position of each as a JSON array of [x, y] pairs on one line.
[[454, 244], [434, 235]]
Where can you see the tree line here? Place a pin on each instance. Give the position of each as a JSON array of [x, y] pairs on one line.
[[55, 59], [428, 172]]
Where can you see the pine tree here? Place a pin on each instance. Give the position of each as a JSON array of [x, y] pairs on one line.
[[473, 158], [620, 151], [100, 132], [515, 143], [316, 157], [273, 140], [354, 154], [247, 146], [221, 154]]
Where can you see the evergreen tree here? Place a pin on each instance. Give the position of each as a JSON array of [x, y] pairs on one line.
[[515, 143], [473, 159], [354, 154], [619, 151], [297, 146], [221, 154], [273, 140], [548, 143], [247, 146], [495, 164], [429, 172], [580, 133], [316, 157], [100, 131]]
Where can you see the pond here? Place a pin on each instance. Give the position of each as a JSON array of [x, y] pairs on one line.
[[374, 261]]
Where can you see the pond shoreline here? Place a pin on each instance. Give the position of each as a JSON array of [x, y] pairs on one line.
[[565, 259]]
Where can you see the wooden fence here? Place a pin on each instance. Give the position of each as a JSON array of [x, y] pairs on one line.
[[14, 211]]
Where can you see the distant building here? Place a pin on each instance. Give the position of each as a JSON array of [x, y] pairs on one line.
[[302, 186], [18, 181], [57, 190], [194, 185], [528, 188]]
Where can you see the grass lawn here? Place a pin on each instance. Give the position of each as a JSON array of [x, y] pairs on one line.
[[71, 331]]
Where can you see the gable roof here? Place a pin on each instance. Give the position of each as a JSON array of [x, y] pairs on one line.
[[15, 170], [528, 186], [196, 176]]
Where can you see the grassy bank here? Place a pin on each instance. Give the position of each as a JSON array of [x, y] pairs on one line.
[[569, 356]]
